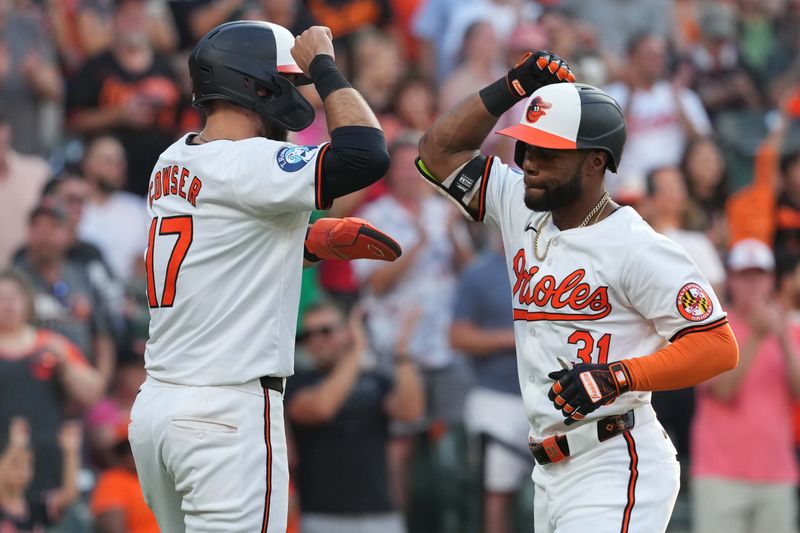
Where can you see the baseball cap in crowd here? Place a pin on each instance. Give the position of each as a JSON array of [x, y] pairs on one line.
[[751, 253]]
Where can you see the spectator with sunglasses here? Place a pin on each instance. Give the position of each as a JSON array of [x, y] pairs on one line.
[[340, 411]]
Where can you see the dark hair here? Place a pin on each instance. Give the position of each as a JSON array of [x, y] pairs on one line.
[[408, 82], [636, 40], [324, 303], [651, 176], [721, 190]]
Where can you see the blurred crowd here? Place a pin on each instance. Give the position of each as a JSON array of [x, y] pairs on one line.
[[404, 414]]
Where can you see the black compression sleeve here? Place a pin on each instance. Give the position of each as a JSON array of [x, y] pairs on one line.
[[357, 158]]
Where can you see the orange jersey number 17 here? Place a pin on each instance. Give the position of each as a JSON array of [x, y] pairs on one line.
[[182, 227]]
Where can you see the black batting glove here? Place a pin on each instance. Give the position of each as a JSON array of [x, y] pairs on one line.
[[584, 388], [535, 70], [532, 71]]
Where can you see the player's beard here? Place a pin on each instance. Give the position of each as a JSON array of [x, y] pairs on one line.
[[270, 130], [558, 197]]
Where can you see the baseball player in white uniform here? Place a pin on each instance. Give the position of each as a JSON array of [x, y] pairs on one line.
[[605, 309], [229, 233]]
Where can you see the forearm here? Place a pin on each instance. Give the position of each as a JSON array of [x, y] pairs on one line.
[[82, 383], [105, 358], [384, 278], [456, 137], [725, 386], [68, 492], [688, 361], [319, 404], [47, 83], [792, 364], [93, 120], [407, 402], [477, 342]]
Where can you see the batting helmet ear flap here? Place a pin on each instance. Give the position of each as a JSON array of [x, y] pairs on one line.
[[286, 106], [519, 153]]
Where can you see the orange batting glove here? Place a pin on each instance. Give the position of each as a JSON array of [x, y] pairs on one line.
[[348, 238]]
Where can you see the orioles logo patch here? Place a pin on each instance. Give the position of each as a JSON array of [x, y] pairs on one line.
[[536, 109], [693, 303]]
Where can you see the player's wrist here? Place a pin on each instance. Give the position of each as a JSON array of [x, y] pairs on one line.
[[498, 97], [621, 376], [326, 76]]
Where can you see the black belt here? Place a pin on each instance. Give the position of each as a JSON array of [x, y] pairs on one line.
[[556, 448], [272, 382]]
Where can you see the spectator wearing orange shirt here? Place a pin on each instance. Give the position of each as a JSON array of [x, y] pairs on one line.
[[117, 502]]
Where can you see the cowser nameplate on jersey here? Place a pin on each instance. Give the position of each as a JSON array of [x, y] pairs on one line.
[[571, 298]]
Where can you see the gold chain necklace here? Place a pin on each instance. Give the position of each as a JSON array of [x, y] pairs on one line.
[[595, 211]]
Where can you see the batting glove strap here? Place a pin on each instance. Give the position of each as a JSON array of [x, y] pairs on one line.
[[586, 387]]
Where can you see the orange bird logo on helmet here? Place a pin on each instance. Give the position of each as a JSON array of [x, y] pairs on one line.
[[536, 109]]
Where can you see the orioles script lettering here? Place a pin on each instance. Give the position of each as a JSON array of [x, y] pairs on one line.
[[572, 294]]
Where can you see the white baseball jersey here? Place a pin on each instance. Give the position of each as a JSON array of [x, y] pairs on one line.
[[224, 258], [606, 292]]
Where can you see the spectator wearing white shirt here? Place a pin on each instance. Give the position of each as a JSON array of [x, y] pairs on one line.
[[433, 239], [113, 220], [661, 116]]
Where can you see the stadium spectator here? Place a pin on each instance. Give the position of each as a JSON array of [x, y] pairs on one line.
[[483, 328], [413, 106], [618, 21], [720, 80], [290, 14], [787, 223], [42, 375], [117, 503], [130, 91], [758, 38], [737, 485], [30, 81], [113, 220], [706, 178], [377, 66], [22, 178], [81, 30], [65, 300], [661, 116], [21, 512], [338, 409], [435, 246], [479, 64], [665, 210]]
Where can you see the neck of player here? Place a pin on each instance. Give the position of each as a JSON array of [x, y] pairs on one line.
[[231, 123], [572, 215]]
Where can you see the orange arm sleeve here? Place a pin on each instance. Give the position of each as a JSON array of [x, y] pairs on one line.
[[690, 360]]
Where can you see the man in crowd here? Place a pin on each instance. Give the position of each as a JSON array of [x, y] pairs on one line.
[[483, 328], [339, 410]]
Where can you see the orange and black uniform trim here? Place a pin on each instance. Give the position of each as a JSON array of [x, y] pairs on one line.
[[482, 199], [319, 202], [634, 475], [699, 327], [268, 442]]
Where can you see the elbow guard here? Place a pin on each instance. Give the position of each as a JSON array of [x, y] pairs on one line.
[[466, 187], [357, 158]]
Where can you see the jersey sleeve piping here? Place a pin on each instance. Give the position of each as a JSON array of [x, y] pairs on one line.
[[698, 328], [482, 200], [319, 203]]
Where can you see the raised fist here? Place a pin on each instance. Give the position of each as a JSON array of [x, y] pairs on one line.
[[535, 70]]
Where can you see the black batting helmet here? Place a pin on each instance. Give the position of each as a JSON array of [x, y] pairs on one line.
[[570, 116], [246, 63]]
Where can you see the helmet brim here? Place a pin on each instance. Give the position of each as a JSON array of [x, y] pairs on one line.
[[537, 137]]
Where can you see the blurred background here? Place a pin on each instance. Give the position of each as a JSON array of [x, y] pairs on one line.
[[425, 432]]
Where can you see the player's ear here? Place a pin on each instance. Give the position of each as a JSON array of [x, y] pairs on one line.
[[597, 161]]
